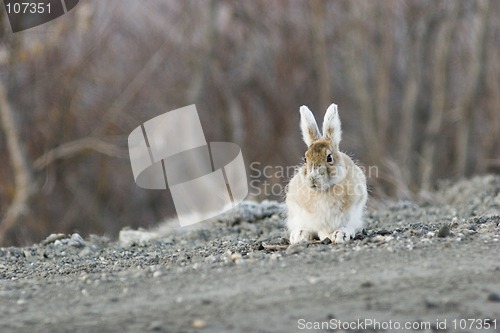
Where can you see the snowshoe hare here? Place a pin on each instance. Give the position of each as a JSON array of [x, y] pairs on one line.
[[327, 195]]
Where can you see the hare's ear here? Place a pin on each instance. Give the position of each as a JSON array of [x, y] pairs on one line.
[[332, 130], [308, 126]]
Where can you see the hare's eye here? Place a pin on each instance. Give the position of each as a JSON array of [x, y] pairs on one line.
[[304, 159], [329, 158]]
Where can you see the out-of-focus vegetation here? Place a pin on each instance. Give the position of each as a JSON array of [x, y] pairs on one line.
[[417, 84]]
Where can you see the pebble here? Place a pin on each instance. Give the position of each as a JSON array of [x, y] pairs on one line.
[[382, 239], [235, 256], [77, 241], [275, 256], [366, 284], [326, 241], [312, 279], [494, 297], [155, 326], [198, 323], [444, 231], [52, 238]]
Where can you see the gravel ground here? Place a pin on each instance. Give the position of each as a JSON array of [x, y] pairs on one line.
[[435, 265]]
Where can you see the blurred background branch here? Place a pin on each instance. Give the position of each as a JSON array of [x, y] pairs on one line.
[[23, 185], [417, 84], [70, 149]]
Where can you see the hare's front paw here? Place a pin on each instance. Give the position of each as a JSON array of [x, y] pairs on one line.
[[341, 236], [338, 236], [298, 236]]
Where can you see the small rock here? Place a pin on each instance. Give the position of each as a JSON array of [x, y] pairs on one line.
[[77, 241], [367, 284], [444, 231], [226, 257], [326, 241], [52, 238], [235, 256], [275, 256], [312, 279], [382, 239], [430, 304], [494, 297], [155, 326], [198, 323]]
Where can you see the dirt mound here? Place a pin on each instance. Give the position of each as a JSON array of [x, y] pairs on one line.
[[480, 195]]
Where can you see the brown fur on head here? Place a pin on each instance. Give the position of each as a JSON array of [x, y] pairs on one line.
[[324, 165]]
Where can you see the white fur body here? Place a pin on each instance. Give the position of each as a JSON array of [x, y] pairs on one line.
[[325, 200]]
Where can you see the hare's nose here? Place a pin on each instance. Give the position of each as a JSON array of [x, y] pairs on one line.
[[314, 182]]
